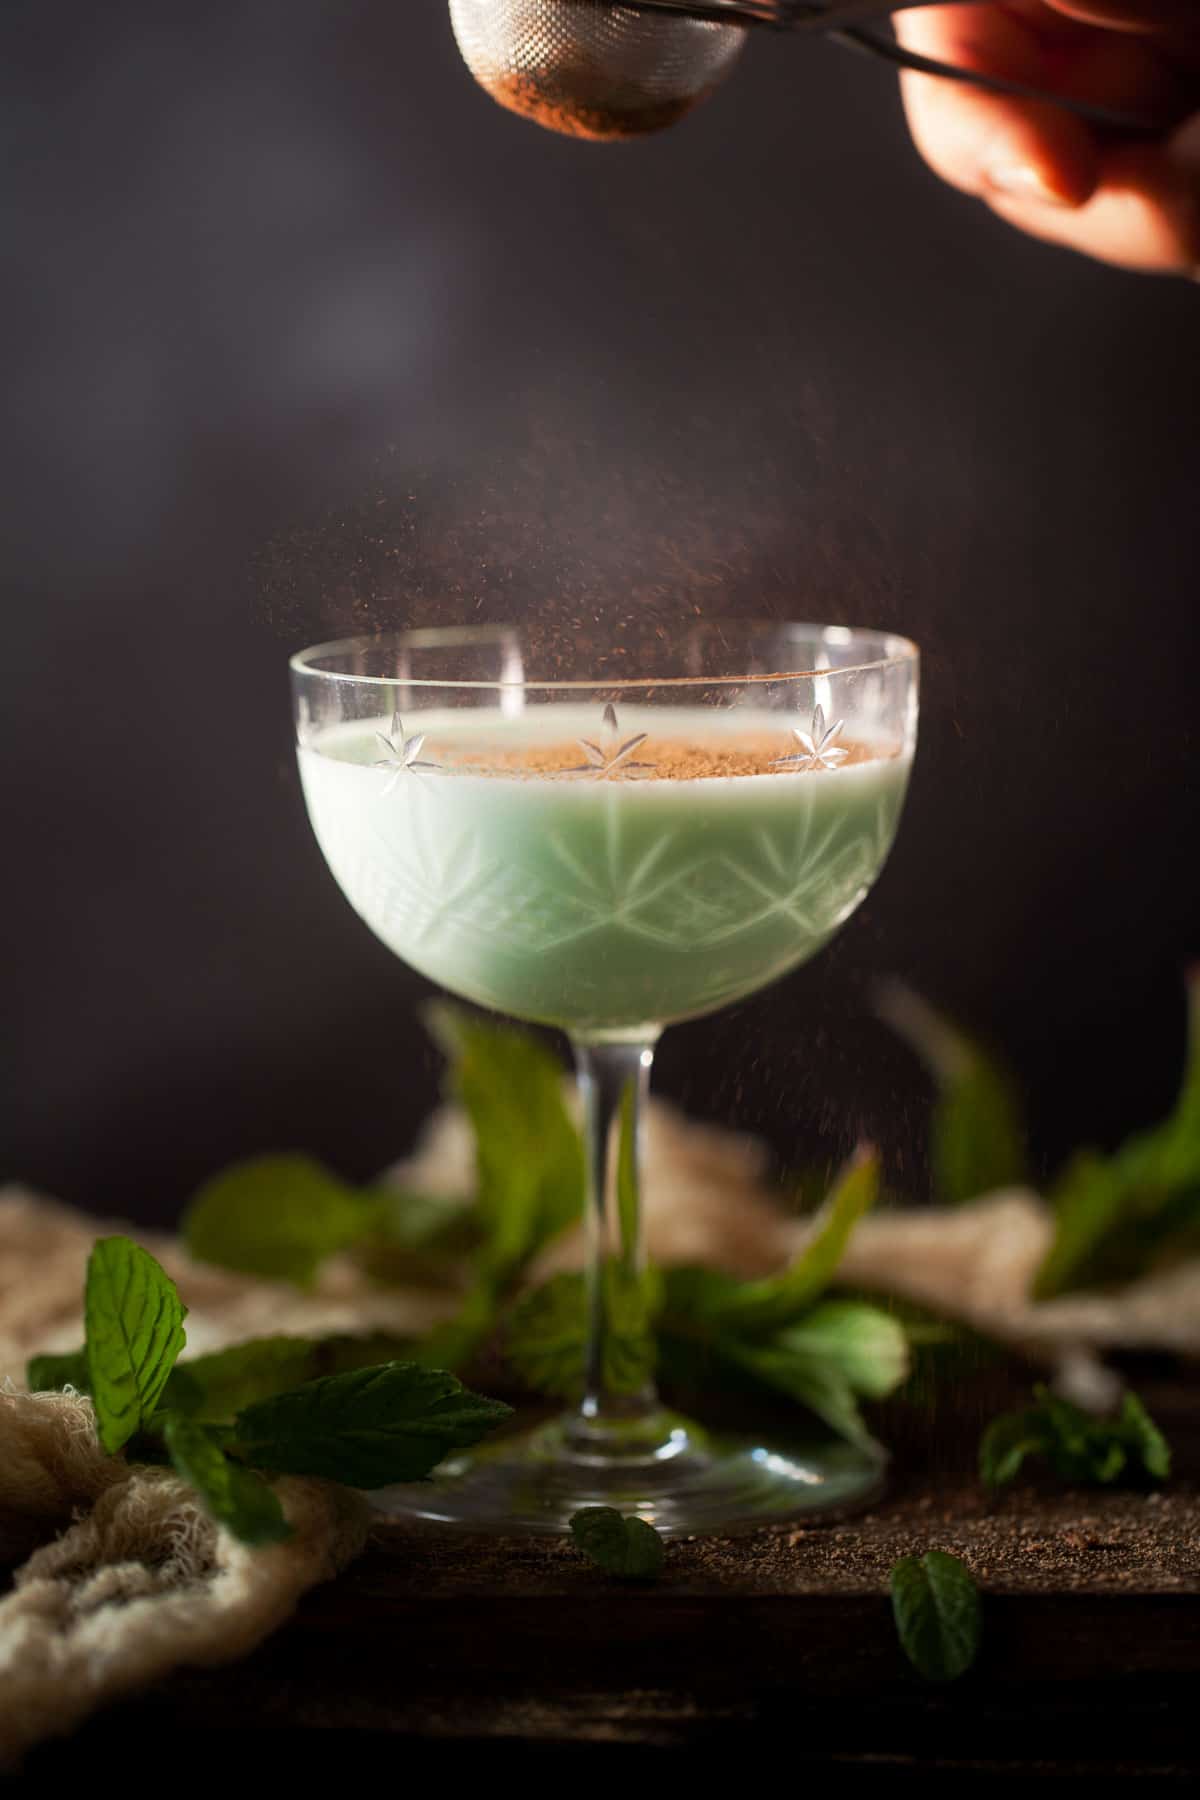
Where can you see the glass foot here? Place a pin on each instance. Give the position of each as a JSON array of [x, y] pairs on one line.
[[692, 1482]]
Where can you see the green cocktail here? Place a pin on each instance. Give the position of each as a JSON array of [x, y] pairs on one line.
[[608, 834], [606, 903]]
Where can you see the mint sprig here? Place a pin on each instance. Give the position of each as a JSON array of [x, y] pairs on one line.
[[781, 1333], [281, 1215], [1078, 1446], [623, 1546], [281, 1405], [707, 1328], [939, 1618], [1115, 1216]]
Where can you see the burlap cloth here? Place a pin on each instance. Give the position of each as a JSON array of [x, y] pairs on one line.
[[125, 1578]]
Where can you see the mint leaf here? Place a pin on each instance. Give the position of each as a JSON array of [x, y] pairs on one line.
[[977, 1141], [133, 1319], [864, 1344], [408, 1220], [977, 1133], [938, 1614], [830, 1356], [1088, 1203], [457, 1341], [1007, 1441], [278, 1216], [815, 1384], [1143, 1439], [545, 1339], [627, 1547], [760, 1307], [1117, 1216], [234, 1496], [696, 1297], [419, 1238], [44, 1374], [1079, 1447], [529, 1156], [839, 1352], [367, 1428], [217, 1386]]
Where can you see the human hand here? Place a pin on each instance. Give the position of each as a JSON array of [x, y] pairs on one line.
[[1130, 201]]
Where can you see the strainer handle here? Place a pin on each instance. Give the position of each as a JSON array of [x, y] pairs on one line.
[[843, 22], [1110, 118]]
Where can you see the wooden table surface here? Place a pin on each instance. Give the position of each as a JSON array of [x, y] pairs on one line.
[[443, 1652]]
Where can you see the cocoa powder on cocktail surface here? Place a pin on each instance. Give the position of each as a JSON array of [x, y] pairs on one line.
[[655, 759]]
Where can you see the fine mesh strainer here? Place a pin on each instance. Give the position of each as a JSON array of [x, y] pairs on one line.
[[594, 69]]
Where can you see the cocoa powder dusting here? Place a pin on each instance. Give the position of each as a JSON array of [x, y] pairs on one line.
[[657, 758]]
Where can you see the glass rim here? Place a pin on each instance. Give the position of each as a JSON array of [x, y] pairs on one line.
[[898, 651]]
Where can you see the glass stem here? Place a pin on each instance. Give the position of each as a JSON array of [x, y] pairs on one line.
[[615, 1418]]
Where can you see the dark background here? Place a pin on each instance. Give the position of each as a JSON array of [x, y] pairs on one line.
[[303, 334]]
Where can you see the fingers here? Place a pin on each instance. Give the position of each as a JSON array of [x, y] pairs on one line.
[[1144, 213], [983, 142], [1036, 165]]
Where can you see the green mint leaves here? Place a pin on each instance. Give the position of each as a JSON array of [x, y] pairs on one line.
[[844, 1351], [1078, 1446], [545, 1337], [529, 1156], [342, 1408], [707, 1327], [756, 1308], [281, 1216], [529, 1167], [1117, 1216], [938, 1614], [133, 1318], [779, 1333], [43, 1374], [233, 1495], [625, 1547], [977, 1134], [217, 1386], [368, 1428], [278, 1217]]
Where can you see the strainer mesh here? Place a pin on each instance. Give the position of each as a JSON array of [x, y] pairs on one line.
[[589, 68]]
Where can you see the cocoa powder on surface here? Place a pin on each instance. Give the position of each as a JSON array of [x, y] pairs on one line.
[[655, 759]]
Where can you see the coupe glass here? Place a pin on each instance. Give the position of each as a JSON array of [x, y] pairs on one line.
[[606, 836]]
